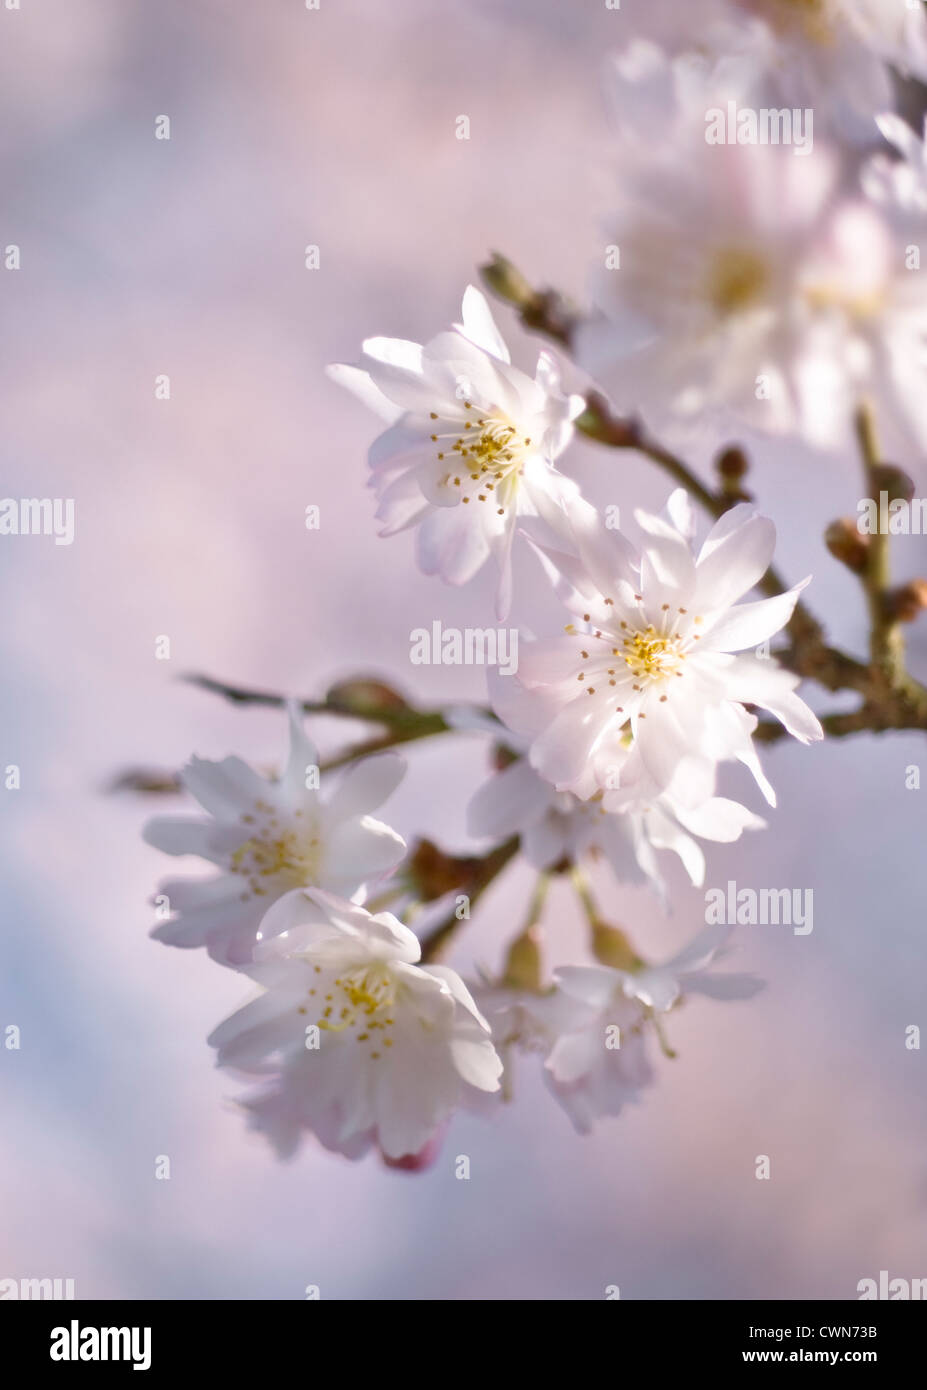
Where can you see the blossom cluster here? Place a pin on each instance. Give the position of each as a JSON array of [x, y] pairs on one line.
[[770, 226], [753, 286], [614, 733]]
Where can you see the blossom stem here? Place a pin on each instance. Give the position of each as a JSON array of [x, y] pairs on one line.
[[609, 944], [537, 901], [584, 894], [661, 1035], [523, 963], [385, 899], [886, 641]]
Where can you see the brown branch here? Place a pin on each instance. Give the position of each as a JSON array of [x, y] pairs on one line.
[[483, 871], [886, 645]]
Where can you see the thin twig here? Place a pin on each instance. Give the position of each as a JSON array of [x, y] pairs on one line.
[[524, 968], [886, 640], [403, 722]]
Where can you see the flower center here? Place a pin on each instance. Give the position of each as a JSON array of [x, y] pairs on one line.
[[650, 656], [363, 999], [489, 457], [290, 855], [737, 280]]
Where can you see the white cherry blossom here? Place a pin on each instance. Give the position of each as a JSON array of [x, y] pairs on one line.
[[876, 280], [470, 444], [358, 1042], [657, 660], [596, 1026], [599, 1062], [724, 309], [556, 825], [268, 838], [834, 56]]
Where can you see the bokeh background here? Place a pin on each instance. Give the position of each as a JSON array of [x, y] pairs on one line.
[[139, 257]]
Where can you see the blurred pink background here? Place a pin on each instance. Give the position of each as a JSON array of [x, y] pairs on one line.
[[139, 257]]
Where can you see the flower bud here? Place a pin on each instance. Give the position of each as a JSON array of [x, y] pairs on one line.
[[598, 422], [365, 698], [847, 544], [888, 478], [144, 779], [907, 602], [611, 947], [732, 464], [523, 962], [507, 281]]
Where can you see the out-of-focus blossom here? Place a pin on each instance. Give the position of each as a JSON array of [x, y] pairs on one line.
[[754, 283], [834, 56], [593, 1027], [599, 1062], [702, 315]]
